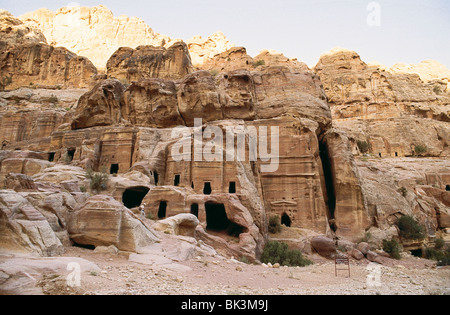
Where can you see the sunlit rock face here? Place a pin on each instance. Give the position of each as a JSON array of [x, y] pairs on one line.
[[27, 60], [394, 112]]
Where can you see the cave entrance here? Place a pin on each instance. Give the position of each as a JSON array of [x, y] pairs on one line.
[[70, 154], [417, 252], [156, 177], [132, 197], [51, 156], [114, 169], [207, 189], [447, 188], [83, 246], [194, 209], [217, 221], [286, 220], [162, 211]]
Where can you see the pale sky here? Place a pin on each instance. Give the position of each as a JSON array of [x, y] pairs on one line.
[[409, 31]]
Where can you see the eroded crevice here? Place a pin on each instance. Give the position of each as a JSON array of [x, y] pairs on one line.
[[329, 182]]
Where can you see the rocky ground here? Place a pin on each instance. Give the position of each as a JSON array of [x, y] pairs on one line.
[[168, 271]]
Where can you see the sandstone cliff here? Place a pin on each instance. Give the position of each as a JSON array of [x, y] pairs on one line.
[[395, 113], [55, 139], [94, 32], [147, 62], [27, 60], [430, 71]]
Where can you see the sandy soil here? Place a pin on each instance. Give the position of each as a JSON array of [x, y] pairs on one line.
[[180, 266], [219, 276]]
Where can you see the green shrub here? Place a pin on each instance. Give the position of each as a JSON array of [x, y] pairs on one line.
[[274, 224], [420, 149], [439, 243], [7, 80], [99, 181], [441, 256], [437, 89], [366, 239], [393, 248], [410, 228], [276, 252], [363, 146], [214, 72], [53, 99], [259, 63], [403, 191]]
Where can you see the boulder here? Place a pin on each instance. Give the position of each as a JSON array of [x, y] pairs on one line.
[[363, 247], [182, 224], [103, 221], [324, 246], [24, 229], [356, 254]]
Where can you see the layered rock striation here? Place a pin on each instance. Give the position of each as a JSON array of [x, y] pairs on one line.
[[27, 60], [394, 112]]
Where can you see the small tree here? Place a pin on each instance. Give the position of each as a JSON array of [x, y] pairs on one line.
[[393, 248], [99, 180], [410, 228], [363, 146], [439, 243], [274, 224], [276, 252], [420, 150]]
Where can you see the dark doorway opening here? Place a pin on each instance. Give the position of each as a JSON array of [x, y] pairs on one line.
[[417, 253], [380, 154], [88, 247], [286, 220], [207, 190], [447, 188], [132, 197], [328, 174], [70, 154], [232, 188], [114, 169], [396, 154], [51, 156], [177, 180], [217, 220], [156, 177], [162, 211], [194, 209]]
